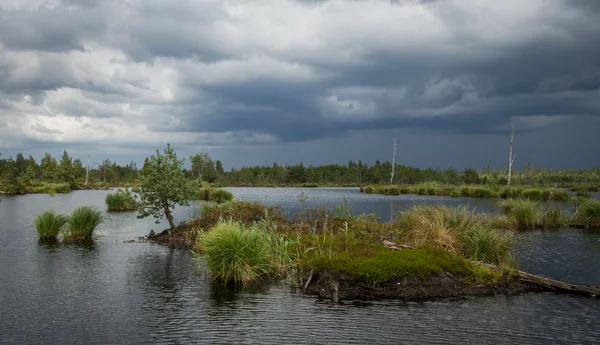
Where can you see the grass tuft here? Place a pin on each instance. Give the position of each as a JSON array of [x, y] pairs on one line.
[[524, 211], [82, 223], [122, 200], [216, 195], [458, 230], [234, 253], [589, 213], [49, 224]]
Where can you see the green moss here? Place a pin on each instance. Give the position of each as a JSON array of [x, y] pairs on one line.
[[381, 265]]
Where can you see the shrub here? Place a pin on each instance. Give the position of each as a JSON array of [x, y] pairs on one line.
[[49, 224], [589, 213], [236, 254], [122, 200], [524, 212], [82, 223]]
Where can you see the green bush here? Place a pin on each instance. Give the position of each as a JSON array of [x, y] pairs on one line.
[[82, 223], [49, 224], [122, 200]]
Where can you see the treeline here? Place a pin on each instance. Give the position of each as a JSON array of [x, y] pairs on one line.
[[380, 173], [22, 175]]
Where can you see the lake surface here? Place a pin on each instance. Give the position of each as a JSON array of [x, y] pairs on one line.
[[141, 293]]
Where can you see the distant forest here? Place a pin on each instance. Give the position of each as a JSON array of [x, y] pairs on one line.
[[20, 172]]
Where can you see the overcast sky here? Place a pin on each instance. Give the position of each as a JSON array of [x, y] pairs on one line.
[[253, 82]]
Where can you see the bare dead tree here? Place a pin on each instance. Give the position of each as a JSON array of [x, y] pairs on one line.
[[87, 170], [393, 162], [511, 158], [548, 206]]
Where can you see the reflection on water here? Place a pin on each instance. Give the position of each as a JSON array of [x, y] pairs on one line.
[[140, 293]]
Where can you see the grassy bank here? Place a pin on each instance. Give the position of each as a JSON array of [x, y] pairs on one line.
[[470, 191]]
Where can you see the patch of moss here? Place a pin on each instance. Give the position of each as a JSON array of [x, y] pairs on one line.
[[381, 265]]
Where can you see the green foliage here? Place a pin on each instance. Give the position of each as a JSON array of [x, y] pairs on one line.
[[583, 194], [236, 254], [163, 185], [83, 222], [524, 211], [122, 200], [203, 167], [53, 188], [49, 224], [589, 213], [216, 195]]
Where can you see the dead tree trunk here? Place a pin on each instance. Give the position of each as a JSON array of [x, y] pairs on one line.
[[548, 207], [393, 162], [87, 170], [511, 158]]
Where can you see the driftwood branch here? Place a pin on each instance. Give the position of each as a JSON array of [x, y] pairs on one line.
[[550, 284], [395, 246], [548, 206]]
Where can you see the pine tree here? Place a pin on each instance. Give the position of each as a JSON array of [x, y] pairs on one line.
[[163, 185]]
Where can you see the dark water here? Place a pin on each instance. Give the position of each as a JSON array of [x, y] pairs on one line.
[[116, 293]]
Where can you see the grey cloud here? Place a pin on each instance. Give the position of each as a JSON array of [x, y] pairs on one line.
[[43, 129], [460, 83]]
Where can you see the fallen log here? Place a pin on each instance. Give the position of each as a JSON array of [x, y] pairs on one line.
[[550, 284]]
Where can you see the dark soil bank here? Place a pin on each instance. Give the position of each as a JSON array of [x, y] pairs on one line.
[[331, 285]]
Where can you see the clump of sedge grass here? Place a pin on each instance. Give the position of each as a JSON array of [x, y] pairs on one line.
[[589, 213], [216, 195], [524, 211], [234, 253], [488, 245], [82, 223], [122, 200], [49, 224], [458, 230]]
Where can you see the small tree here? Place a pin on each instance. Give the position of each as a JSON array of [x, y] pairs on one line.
[[163, 185]]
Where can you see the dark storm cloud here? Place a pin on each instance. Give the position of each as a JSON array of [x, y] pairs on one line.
[[247, 70]]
